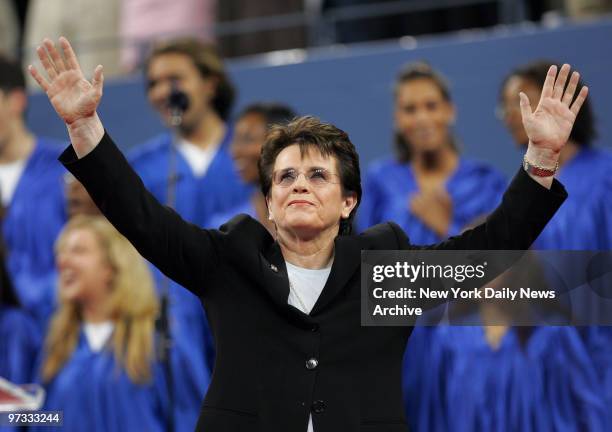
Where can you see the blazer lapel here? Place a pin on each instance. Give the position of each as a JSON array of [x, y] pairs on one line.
[[274, 272], [347, 259]]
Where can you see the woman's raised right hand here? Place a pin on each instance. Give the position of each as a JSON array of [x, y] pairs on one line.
[[73, 97]]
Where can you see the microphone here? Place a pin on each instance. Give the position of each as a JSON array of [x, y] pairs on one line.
[[178, 102]]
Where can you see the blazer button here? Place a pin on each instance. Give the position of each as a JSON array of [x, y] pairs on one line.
[[312, 363], [318, 407], [314, 328]]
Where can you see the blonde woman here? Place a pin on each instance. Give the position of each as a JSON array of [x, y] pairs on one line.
[[99, 355]]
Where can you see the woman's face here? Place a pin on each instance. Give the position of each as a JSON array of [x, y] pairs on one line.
[[249, 137], [422, 116], [84, 271], [510, 108], [307, 208], [78, 200]]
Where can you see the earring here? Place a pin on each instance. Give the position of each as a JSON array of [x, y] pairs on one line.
[[270, 216]]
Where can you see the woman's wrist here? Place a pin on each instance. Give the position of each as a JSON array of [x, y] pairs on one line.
[[542, 157], [85, 134]]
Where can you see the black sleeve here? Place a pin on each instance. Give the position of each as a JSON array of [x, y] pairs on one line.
[[526, 208], [182, 251]]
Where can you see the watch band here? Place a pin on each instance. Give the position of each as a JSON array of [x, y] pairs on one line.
[[537, 170]]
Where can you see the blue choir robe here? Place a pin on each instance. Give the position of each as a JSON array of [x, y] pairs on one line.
[[95, 394], [464, 384], [598, 340], [196, 200], [245, 207], [20, 342], [561, 383], [584, 220], [34, 218], [475, 189]]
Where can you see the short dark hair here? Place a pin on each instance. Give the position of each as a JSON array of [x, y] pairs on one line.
[[272, 112], [11, 75], [309, 132], [412, 72], [583, 132], [207, 60]]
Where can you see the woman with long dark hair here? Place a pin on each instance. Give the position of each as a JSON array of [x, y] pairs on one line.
[[428, 188]]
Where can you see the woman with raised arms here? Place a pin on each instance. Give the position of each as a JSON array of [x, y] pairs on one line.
[[285, 309]]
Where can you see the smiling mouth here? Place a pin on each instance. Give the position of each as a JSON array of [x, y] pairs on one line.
[[67, 281]]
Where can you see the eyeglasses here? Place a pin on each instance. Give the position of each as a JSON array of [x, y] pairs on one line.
[[317, 177]]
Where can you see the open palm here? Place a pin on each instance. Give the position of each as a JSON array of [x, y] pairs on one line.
[[72, 96], [549, 126]]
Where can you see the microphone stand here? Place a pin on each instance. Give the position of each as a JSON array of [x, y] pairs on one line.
[[166, 341]]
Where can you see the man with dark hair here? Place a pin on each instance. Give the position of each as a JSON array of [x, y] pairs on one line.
[[190, 168], [191, 165], [31, 195]]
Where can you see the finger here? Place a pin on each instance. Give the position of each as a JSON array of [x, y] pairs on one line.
[[575, 108], [42, 82], [526, 111], [71, 59], [547, 88], [98, 79], [46, 62], [561, 80], [55, 56], [571, 89]]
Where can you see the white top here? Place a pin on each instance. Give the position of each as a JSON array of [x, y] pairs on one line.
[[10, 174], [98, 334], [305, 287], [198, 159]]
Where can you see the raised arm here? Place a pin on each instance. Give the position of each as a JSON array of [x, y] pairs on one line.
[[73, 97], [183, 251], [549, 126]]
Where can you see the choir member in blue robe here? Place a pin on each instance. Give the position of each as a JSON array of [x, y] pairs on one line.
[[191, 168], [31, 193], [431, 192], [99, 364], [427, 188], [584, 221], [19, 336], [252, 125]]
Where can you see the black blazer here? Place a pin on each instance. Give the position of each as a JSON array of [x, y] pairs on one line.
[[262, 379]]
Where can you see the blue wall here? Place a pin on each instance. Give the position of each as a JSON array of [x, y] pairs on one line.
[[351, 87]]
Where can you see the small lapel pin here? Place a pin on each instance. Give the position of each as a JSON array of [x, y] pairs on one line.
[[273, 268]]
